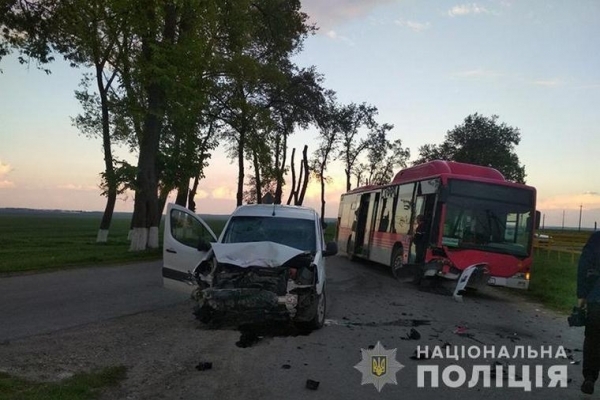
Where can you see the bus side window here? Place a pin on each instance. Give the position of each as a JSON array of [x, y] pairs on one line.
[[403, 208]]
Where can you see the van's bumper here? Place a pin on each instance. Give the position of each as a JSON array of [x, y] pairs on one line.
[[243, 306], [518, 281]]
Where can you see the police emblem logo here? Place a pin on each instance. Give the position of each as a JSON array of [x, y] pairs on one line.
[[378, 366]]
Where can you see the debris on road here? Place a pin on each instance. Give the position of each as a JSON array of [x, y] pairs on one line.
[[412, 335], [286, 366], [247, 339], [203, 366], [312, 385]]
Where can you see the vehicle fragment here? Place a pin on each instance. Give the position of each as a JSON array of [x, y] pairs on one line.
[[203, 366], [312, 385], [413, 334]]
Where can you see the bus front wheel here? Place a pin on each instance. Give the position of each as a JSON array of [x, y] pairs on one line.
[[397, 265]]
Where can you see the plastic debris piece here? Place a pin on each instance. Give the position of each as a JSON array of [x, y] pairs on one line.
[[203, 366], [312, 385]]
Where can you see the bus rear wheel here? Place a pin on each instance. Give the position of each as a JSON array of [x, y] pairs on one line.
[[397, 265]]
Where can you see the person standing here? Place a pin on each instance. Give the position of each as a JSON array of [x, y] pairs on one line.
[[420, 239], [588, 295]]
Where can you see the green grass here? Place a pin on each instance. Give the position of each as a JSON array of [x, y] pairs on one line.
[[48, 241], [554, 280], [82, 386]]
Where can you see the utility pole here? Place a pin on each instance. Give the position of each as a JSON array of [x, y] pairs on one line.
[[580, 208], [563, 221], [544, 221]]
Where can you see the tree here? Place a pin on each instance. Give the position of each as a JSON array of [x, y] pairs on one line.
[[299, 186], [85, 33], [480, 140], [353, 117], [383, 159], [329, 123]]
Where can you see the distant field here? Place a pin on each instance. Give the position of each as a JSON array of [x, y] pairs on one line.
[[554, 272], [48, 241]]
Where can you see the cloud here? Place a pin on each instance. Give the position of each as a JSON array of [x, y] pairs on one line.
[[413, 25], [589, 199], [81, 188], [334, 36], [478, 73], [549, 83], [4, 168], [224, 193], [6, 184], [328, 14], [466, 9]]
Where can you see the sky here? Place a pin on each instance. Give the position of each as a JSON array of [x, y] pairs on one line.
[[426, 65]]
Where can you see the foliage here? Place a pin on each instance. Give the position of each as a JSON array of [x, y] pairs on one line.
[[383, 158], [479, 140]]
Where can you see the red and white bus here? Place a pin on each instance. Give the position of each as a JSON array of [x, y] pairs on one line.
[[473, 218]]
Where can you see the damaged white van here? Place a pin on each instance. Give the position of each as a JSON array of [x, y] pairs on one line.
[[267, 265]]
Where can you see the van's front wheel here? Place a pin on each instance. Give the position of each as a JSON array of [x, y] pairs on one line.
[[319, 319]]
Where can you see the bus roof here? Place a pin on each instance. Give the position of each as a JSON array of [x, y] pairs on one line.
[[438, 167]]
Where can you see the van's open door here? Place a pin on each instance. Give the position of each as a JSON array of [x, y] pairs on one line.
[[186, 241]]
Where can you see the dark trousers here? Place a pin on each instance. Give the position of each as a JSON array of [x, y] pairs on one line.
[[591, 345]]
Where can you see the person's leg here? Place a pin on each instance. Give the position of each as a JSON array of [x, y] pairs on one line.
[[591, 345]]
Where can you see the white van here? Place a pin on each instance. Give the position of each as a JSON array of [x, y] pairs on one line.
[[268, 264]]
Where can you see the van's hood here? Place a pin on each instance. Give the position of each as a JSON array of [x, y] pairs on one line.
[[254, 254]]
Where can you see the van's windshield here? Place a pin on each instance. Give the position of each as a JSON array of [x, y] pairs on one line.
[[293, 232]]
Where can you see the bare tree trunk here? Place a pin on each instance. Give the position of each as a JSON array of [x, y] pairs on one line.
[[192, 194], [111, 199], [182, 192], [293, 194], [162, 199], [322, 178], [306, 176], [257, 180], [280, 167], [109, 169], [240, 187], [146, 217]]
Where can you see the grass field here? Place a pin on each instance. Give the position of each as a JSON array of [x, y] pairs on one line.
[[50, 241], [554, 272], [83, 386]]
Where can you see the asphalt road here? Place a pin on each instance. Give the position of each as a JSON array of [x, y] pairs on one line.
[[41, 303], [161, 348]]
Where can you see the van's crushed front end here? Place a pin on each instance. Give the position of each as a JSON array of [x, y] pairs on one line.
[[246, 283]]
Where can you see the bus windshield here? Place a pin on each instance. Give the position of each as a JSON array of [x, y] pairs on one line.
[[488, 217]]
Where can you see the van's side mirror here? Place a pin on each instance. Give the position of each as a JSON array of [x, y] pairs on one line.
[[203, 245], [331, 249]]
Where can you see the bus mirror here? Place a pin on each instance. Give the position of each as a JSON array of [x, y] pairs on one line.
[[538, 217]]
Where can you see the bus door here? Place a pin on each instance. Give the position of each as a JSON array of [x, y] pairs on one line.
[[370, 224], [361, 222], [425, 205]]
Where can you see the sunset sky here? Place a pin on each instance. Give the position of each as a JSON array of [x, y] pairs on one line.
[[424, 65]]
